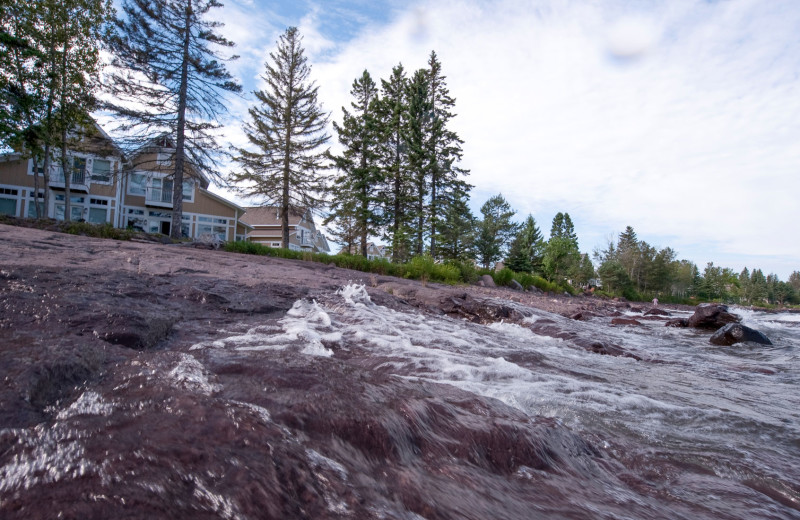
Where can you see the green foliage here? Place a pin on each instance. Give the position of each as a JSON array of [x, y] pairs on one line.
[[527, 249], [426, 269], [466, 269], [495, 230], [503, 277], [355, 191], [105, 230], [286, 133]]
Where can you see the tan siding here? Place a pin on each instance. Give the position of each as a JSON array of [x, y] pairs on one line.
[[133, 200], [207, 206], [103, 190], [16, 173]]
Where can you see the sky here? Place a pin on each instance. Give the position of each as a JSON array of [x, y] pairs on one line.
[[680, 118]]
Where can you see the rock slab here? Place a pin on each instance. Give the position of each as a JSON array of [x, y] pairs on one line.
[[733, 333], [712, 316]]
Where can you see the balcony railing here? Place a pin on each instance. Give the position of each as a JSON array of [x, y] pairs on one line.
[[159, 197], [77, 180]]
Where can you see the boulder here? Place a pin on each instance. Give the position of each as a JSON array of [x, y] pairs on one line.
[[712, 316], [488, 281], [516, 285], [738, 333], [677, 322], [655, 311], [624, 321]]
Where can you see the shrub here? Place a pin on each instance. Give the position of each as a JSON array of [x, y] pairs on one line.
[[467, 271], [503, 277], [104, 230]]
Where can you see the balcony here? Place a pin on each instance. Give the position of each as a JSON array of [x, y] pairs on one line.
[[158, 197], [78, 181]]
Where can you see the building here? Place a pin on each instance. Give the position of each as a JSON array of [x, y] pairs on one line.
[[107, 187], [265, 222], [374, 251]]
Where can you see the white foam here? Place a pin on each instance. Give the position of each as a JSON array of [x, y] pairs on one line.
[[189, 373], [355, 294], [44, 455], [89, 403]]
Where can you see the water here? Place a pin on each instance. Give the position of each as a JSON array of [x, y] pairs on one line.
[[688, 431], [707, 425]]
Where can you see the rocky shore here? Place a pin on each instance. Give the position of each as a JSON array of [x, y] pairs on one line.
[[107, 408]]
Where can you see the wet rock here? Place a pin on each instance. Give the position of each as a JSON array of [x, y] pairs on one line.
[[733, 333], [712, 316], [136, 331], [625, 321], [655, 311], [677, 322]]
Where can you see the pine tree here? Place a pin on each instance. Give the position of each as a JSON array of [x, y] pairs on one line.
[[527, 249], [397, 192], [562, 256], [415, 137], [286, 131], [457, 236], [443, 149], [169, 79], [495, 230], [357, 188]]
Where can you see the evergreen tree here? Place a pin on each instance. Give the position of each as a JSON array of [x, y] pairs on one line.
[[345, 229], [527, 249], [415, 136], [358, 185], [457, 236], [169, 79], [495, 230], [584, 272], [443, 151], [397, 193], [794, 280], [758, 286], [745, 290], [561, 256], [286, 132]]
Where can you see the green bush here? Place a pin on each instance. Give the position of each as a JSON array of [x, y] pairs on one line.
[[105, 230], [503, 277], [467, 271]]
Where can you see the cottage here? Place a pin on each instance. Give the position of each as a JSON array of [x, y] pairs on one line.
[[374, 251], [265, 222], [107, 187]]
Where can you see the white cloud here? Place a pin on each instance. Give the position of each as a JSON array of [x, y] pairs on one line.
[[681, 120]]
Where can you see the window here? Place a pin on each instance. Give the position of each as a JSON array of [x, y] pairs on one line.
[[161, 190], [138, 184], [188, 191], [76, 212], [98, 215], [101, 171], [8, 207], [219, 231]]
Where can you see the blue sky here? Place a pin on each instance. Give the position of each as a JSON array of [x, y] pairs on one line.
[[680, 118]]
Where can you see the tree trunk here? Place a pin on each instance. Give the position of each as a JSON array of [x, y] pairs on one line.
[[67, 176], [180, 138], [364, 206]]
